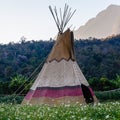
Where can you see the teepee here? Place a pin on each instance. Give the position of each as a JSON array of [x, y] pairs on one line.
[[61, 80]]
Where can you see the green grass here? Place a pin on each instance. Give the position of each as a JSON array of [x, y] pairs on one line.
[[101, 111]]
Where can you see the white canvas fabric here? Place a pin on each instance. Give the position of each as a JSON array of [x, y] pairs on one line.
[[60, 74]]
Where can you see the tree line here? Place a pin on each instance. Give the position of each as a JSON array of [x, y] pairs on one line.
[[98, 59]]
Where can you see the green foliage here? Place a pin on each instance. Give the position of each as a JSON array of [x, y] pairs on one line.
[[22, 58], [117, 81], [96, 58], [18, 85], [99, 61], [99, 58], [15, 99], [108, 95], [104, 83], [4, 88], [18, 81], [106, 111]]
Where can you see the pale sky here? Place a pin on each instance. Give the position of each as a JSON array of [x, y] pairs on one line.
[[32, 18]]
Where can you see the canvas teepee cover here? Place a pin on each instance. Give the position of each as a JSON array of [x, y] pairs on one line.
[[61, 80]]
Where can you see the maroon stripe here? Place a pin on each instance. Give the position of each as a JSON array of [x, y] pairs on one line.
[[55, 93], [29, 94], [91, 91]]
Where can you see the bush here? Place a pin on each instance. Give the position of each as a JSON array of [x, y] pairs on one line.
[[108, 95], [11, 99]]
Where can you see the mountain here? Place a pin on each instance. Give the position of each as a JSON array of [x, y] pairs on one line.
[[106, 23]]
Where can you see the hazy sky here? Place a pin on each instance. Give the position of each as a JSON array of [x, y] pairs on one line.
[[32, 18]]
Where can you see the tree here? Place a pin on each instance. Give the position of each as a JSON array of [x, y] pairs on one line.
[[18, 83]]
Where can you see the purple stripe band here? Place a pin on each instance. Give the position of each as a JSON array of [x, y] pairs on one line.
[[55, 93]]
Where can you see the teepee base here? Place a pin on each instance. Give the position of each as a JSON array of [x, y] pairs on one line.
[[67, 100]]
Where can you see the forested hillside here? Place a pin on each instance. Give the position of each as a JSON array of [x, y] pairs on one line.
[[99, 60]]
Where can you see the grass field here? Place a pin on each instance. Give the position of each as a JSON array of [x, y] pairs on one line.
[[101, 111]]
